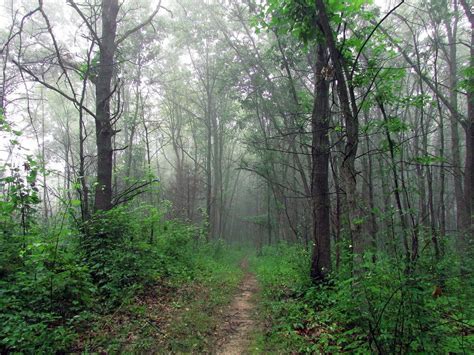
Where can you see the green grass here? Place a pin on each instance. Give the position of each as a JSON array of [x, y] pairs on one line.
[[198, 313], [281, 272]]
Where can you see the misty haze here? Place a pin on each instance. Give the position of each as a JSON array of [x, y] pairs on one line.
[[237, 176]]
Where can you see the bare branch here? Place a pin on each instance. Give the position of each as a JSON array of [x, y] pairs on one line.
[[86, 21], [51, 87], [140, 26]]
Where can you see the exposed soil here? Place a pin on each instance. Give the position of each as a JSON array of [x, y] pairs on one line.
[[238, 323]]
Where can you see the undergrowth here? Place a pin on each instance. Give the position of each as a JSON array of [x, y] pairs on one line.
[[383, 310], [65, 285]]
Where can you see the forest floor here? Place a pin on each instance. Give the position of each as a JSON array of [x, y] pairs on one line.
[[238, 325], [215, 314]]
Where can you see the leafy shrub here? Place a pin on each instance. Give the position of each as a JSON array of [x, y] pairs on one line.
[[36, 301], [53, 282]]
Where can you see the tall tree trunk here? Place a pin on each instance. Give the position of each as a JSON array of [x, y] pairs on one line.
[[349, 112], [469, 128], [442, 173], [43, 163], [209, 204], [321, 258], [217, 175], [462, 214], [133, 123], [337, 212], [103, 124], [372, 227]]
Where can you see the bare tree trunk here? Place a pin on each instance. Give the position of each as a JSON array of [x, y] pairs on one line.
[[442, 182], [133, 124], [43, 162], [84, 190], [442, 174], [451, 31], [104, 129], [469, 128], [209, 200], [398, 188], [336, 220], [321, 258], [369, 186], [217, 181]]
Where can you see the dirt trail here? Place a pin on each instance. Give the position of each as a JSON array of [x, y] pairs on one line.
[[236, 330]]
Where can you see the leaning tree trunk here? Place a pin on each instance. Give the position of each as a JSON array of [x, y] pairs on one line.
[[104, 129]]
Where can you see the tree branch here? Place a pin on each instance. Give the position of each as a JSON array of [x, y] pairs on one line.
[[51, 87], [89, 26], [370, 36], [140, 26]]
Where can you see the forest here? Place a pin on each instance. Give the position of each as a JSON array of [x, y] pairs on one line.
[[237, 176]]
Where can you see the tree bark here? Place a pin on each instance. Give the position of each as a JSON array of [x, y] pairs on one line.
[[461, 213], [349, 111], [468, 226], [321, 258], [104, 129]]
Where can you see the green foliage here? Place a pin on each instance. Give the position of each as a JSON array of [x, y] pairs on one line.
[[467, 83], [5, 126], [43, 294], [17, 212], [44, 287], [282, 272], [384, 310], [21, 193], [429, 159], [56, 281], [122, 253], [299, 17], [395, 125], [90, 70]]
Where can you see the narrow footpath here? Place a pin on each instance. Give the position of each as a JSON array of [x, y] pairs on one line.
[[239, 323]]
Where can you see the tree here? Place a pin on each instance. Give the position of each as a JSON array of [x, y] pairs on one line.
[[320, 123], [469, 128], [103, 118]]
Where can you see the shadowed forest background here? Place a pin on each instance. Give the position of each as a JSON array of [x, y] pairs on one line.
[[157, 155]]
